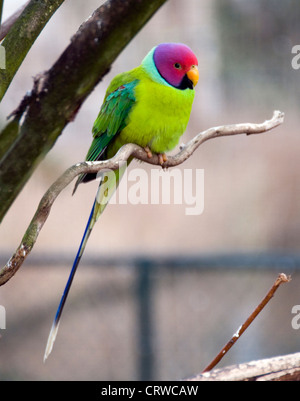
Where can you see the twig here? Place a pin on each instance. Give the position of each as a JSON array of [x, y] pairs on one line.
[[282, 278], [121, 157]]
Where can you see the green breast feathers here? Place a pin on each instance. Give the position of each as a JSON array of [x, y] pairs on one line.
[[147, 113]]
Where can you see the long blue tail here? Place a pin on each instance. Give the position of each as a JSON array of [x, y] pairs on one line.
[[54, 328], [108, 183]]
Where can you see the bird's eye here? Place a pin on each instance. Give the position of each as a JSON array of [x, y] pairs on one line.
[[177, 66]]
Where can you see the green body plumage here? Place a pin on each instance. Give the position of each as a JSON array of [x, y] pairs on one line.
[[146, 110], [141, 107], [157, 118]]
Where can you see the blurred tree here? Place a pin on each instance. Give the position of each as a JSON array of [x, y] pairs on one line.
[[257, 38]]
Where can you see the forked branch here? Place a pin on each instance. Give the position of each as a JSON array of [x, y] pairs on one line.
[[120, 158]]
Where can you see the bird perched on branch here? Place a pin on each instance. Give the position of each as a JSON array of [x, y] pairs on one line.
[[149, 106]]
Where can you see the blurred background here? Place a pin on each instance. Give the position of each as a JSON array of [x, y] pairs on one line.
[[159, 292]]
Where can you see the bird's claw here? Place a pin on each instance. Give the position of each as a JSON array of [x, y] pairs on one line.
[[148, 151], [162, 157]]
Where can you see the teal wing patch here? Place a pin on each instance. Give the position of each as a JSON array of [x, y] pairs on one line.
[[109, 123]]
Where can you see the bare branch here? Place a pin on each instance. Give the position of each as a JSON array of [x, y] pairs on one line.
[[121, 157], [282, 278], [226, 130], [279, 368]]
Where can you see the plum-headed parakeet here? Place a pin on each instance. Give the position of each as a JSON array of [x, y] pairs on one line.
[[149, 106]]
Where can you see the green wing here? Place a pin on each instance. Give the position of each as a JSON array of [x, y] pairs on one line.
[[110, 121]]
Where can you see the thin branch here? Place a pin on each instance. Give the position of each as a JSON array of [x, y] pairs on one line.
[[282, 278], [121, 157], [234, 129], [279, 368], [6, 25]]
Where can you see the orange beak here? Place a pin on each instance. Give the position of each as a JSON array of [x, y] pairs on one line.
[[193, 74]]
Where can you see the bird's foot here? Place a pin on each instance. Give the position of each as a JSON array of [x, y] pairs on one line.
[[162, 158], [148, 151]]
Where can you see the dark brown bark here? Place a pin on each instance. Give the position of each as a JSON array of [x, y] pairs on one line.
[[58, 93]]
